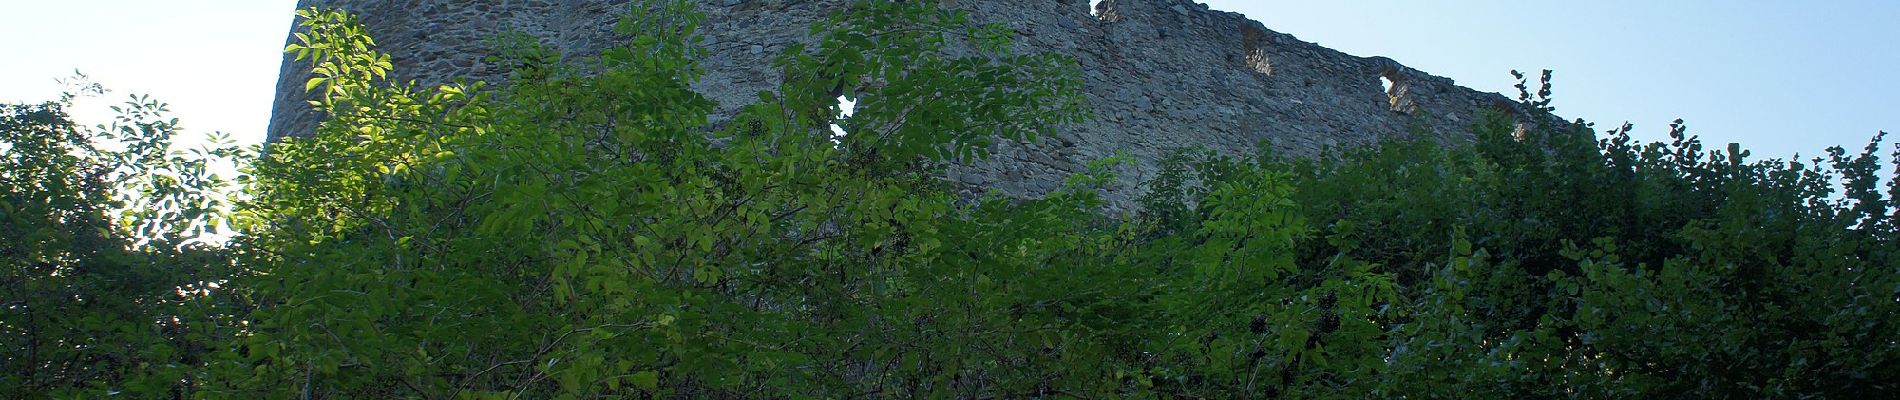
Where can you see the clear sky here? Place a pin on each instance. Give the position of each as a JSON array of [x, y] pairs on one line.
[[1780, 76], [214, 61]]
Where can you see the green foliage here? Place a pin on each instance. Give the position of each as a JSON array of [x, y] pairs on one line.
[[604, 240], [583, 231], [108, 284]]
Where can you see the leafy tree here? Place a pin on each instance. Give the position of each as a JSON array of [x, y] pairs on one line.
[[1535, 263], [109, 283], [603, 239], [582, 231]]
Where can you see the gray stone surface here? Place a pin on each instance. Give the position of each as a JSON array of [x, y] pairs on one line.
[[1159, 74]]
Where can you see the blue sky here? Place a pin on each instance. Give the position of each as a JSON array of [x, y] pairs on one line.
[[1779, 76]]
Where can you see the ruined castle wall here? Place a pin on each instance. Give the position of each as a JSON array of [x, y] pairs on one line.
[[1160, 74]]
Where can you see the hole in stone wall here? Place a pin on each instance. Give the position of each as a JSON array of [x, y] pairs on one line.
[[1398, 94], [1257, 60], [1103, 10], [1253, 47]]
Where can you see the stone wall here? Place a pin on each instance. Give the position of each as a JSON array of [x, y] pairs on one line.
[[1159, 74]]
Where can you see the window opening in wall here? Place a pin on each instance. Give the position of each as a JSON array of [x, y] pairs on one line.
[[1254, 50], [1397, 92], [1103, 12], [1257, 61]]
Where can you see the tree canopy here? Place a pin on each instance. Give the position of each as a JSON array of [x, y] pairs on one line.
[[580, 230]]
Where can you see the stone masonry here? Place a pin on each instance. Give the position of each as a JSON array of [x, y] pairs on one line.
[[1160, 74]]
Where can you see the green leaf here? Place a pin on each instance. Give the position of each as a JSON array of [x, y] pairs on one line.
[[646, 380]]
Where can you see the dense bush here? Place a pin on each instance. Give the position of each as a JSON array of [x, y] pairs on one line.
[[582, 231]]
